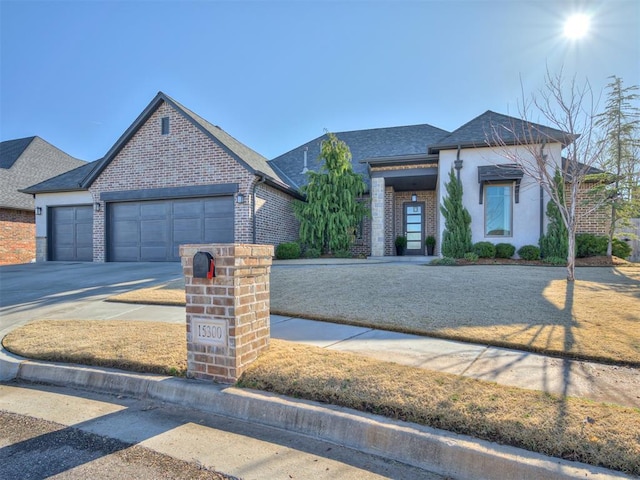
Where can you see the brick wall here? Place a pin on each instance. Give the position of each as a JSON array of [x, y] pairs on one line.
[[597, 221], [17, 236], [362, 246], [275, 221], [184, 157], [389, 221]]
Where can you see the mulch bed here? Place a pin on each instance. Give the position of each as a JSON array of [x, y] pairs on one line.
[[602, 261]]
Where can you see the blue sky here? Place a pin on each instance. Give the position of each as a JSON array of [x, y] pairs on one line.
[[277, 74]]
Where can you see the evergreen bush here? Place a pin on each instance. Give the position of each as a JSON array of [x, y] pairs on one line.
[[288, 251], [590, 245], [484, 249], [456, 238], [505, 250], [529, 252], [620, 249], [556, 242]]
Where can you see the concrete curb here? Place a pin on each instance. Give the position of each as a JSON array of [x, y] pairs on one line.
[[434, 450]]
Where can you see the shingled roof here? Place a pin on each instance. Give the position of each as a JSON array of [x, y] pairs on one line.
[[65, 182], [251, 160], [486, 129], [363, 144], [26, 161]]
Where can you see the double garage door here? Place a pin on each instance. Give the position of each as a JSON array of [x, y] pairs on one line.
[[152, 231]]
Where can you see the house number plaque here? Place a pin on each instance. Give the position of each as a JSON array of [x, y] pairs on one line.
[[209, 331]]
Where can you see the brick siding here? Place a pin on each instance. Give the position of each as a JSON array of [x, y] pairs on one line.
[[596, 222], [184, 157], [17, 236], [275, 221]]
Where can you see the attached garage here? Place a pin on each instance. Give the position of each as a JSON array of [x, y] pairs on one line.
[[152, 231], [71, 233]]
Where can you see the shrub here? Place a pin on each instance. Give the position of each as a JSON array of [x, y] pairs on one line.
[[484, 249], [589, 245], [342, 254], [558, 261], [401, 241], [312, 252], [620, 249], [444, 261], [529, 252], [471, 256], [505, 250], [288, 251]]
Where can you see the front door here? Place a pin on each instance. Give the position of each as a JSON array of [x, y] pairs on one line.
[[414, 227]]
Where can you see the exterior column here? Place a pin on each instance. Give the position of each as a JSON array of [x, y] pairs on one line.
[[377, 217], [228, 322]]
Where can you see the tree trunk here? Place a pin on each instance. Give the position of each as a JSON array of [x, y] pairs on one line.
[[571, 258]]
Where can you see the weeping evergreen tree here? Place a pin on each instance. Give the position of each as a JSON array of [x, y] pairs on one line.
[[332, 211], [556, 242], [456, 238]]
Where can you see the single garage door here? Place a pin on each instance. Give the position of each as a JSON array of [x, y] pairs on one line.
[[71, 233], [152, 231]]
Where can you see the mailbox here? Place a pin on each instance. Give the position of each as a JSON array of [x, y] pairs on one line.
[[204, 265]]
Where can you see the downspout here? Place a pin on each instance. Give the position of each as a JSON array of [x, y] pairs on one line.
[[253, 199], [544, 158]]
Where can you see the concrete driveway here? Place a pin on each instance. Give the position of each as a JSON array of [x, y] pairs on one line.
[[47, 289]]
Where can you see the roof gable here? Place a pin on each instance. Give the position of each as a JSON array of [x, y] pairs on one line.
[[482, 132], [29, 161], [248, 158], [10, 151]]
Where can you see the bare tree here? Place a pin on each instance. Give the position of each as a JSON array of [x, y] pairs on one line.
[[570, 111]]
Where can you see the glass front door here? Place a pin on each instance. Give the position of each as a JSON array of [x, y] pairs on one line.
[[414, 227]]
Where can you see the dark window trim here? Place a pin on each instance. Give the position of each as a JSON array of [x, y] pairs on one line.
[[512, 187], [164, 126]]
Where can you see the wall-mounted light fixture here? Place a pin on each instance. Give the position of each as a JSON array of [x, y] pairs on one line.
[[239, 198], [96, 206], [414, 197], [38, 210]]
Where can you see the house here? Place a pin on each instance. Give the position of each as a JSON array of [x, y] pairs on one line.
[[171, 178], [174, 178], [23, 162]]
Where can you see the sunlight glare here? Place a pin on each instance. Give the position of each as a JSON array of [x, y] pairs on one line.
[[576, 26]]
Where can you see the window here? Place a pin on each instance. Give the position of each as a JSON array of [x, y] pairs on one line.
[[498, 210], [165, 126]]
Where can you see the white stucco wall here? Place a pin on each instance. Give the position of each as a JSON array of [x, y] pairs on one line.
[[45, 200], [526, 213]]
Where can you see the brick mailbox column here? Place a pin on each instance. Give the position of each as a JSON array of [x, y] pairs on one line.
[[227, 316]]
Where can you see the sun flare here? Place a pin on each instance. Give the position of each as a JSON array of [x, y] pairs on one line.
[[577, 26]]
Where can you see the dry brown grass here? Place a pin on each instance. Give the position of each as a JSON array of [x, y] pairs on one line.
[[151, 347], [171, 293], [535, 421], [527, 308]]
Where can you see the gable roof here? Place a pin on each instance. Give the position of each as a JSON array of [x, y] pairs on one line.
[[482, 132], [26, 161], [363, 144], [248, 158], [10, 151], [65, 182]]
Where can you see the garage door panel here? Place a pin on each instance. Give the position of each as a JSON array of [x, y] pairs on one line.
[[154, 230], [71, 231]]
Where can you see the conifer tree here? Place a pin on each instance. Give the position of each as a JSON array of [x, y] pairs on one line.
[[456, 238], [556, 242], [332, 210]]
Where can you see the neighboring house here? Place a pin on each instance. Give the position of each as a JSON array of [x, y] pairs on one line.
[[24, 162], [174, 178]]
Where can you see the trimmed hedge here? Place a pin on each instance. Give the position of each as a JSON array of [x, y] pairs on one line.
[[288, 251], [484, 249], [620, 249], [589, 245], [529, 252], [505, 250]]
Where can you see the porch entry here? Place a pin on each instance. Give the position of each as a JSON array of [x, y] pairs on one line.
[[414, 227]]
